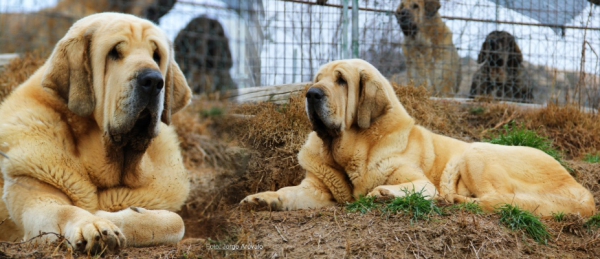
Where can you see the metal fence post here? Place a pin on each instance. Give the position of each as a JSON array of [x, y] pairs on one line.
[[345, 53], [355, 29]]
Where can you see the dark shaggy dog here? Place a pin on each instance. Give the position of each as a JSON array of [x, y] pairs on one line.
[[204, 56], [502, 72]]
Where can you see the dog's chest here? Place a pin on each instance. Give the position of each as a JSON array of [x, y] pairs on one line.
[[350, 152], [97, 166], [498, 74], [417, 46]]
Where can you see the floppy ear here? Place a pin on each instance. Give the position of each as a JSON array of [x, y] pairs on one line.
[[69, 73], [515, 57], [431, 7], [372, 100], [483, 53], [177, 92]]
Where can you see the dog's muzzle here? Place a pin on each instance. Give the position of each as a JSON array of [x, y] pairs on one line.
[[405, 19], [142, 114], [495, 54], [318, 113]]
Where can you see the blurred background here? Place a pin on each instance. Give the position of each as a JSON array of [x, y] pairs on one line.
[[236, 44]]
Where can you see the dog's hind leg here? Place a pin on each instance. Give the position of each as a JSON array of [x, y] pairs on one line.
[[540, 204]]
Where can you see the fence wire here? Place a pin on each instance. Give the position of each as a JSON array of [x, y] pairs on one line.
[[519, 50]]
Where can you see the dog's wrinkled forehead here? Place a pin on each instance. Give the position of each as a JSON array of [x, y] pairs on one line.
[[345, 69], [410, 4], [341, 69], [500, 38], [114, 25], [428, 8]]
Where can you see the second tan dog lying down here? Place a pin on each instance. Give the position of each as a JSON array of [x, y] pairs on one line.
[[365, 143]]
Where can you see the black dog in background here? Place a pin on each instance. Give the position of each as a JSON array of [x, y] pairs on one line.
[[502, 73], [202, 52]]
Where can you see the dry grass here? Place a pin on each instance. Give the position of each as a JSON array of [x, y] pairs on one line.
[[276, 133], [574, 132], [17, 71]]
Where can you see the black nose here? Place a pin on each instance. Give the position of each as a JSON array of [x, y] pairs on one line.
[[150, 81], [403, 16], [314, 94]]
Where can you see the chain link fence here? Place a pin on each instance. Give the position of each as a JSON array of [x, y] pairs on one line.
[[520, 50]]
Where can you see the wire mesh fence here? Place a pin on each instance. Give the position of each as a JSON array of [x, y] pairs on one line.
[[519, 50]]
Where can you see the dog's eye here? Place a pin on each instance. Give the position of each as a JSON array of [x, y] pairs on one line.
[[114, 54], [341, 81], [415, 6], [156, 57]]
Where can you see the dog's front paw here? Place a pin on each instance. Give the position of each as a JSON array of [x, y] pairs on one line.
[[457, 198], [95, 236], [269, 200]]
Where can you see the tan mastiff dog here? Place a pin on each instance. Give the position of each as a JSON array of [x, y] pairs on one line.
[[364, 143], [90, 154], [431, 57]]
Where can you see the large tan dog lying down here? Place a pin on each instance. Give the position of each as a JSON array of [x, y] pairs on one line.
[[89, 157], [364, 143]]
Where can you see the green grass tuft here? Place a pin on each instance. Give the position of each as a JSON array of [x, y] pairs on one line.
[[415, 204], [470, 207], [559, 216], [592, 159], [516, 219], [520, 136], [593, 222], [477, 111], [363, 205], [212, 113]]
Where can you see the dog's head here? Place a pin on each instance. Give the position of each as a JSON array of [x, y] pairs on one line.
[[346, 94], [499, 49], [411, 13], [119, 70]]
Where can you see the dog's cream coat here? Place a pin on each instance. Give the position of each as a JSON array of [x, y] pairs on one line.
[[365, 143], [89, 157]]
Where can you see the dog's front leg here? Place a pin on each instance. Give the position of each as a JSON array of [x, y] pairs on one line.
[[312, 193], [425, 187], [404, 180], [144, 227], [40, 208]]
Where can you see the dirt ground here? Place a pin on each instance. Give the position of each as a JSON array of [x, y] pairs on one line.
[[235, 150]]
